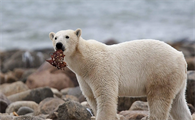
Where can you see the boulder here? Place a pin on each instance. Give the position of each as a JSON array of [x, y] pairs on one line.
[[13, 107], [13, 88], [192, 108], [4, 103], [24, 59], [49, 76], [24, 110], [36, 95], [190, 92], [71, 110], [49, 105], [26, 74]]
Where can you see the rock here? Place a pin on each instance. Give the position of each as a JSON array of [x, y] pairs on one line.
[[71, 110], [65, 91], [70, 97], [36, 95], [85, 104], [56, 92], [48, 105], [24, 110], [24, 59], [72, 76], [50, 77], [134, 115], [193, 116], [190, 92], [26, 74], [4, 102], [13, 107], [3, 105], [139, 105], [192, 108], [191, 63], [6, 116], [111, 42], [28, 118], [13, 88], [124, 103]]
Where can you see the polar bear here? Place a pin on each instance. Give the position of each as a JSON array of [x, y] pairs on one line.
[[137, 68]]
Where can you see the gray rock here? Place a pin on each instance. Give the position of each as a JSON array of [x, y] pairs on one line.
[[24, 110], [36, 95], [72, 110], [14, 107]]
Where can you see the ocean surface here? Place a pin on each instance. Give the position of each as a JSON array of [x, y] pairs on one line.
[[26, 24]]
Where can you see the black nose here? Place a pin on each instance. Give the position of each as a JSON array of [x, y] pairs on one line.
[[59, 45]]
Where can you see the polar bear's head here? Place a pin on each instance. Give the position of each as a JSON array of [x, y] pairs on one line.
[[66, 40]]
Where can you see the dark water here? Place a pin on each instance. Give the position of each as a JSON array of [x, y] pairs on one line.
[[27, 23]]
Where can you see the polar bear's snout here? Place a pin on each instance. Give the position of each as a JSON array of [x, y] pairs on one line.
[[59, 46]]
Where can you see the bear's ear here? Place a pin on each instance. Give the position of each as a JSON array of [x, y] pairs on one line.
[[51, 35], [78, 32]]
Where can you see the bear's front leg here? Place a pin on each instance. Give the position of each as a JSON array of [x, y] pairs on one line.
[[106, 96]]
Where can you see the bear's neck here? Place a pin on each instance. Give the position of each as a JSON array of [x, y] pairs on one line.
[[83, 61]]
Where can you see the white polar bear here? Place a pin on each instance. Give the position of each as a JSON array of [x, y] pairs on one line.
[[137, 68]]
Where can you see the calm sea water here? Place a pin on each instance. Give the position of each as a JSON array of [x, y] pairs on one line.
[[26, 23]]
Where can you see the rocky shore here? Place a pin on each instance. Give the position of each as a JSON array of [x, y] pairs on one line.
[[31, 89]]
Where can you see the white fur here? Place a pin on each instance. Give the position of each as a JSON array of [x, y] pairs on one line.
[[137, 68]]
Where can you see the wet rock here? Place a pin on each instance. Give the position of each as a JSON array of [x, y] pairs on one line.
[[50, 77], [124, 103], [48, 105], [13, 88], [190, 92], [134, 115], [24, 110], [139, 105], [5, 116], [73, 110], [36, 95], [13, 107]]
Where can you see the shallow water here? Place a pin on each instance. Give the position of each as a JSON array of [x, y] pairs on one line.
[[26, 23]]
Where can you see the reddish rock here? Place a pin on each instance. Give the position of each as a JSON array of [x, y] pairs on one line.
[[48, 75]]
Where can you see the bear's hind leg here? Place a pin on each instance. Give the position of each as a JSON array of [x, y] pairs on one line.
[[180, 110], [159, 99]]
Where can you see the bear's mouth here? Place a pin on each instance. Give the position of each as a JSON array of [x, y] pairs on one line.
[[62, 48]]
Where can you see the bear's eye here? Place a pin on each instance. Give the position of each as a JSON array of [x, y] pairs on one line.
[[55, 38], [66, 37]]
